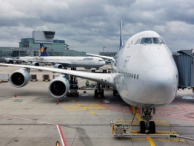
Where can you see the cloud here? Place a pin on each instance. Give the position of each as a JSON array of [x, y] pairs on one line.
[[90, 25], [178, 34]]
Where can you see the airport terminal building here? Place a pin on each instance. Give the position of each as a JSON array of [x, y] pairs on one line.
[[31, 46], [111, 54]]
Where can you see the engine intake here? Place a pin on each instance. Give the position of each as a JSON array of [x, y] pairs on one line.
[[20, 77], [58, 66], [35, 64], [59, 87]]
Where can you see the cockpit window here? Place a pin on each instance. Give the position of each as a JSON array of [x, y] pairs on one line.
[[149, 41], [138, 41], [158, 41], [146, 40]]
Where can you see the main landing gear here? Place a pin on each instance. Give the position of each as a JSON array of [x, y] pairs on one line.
[[147, 124], [99, 90]]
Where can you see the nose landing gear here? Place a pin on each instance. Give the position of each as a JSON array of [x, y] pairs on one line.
[[147, 124]]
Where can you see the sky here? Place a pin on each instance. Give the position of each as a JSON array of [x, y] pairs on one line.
[[90, 25]]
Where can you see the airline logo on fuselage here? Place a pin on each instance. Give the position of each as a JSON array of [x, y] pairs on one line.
[[126, 61], [88, 59], [42, 49]]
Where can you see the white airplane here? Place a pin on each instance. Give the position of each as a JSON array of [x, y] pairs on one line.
[[144, 74], [59, 61]]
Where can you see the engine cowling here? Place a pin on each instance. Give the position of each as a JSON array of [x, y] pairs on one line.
[[58, 66], [20, 77], [59, 87], [35, 64]]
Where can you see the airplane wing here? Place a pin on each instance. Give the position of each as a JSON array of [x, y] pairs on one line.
[[104, 57], [98, 77]]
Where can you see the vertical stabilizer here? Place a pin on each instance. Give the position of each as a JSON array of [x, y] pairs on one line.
[[43, 50], [121, 36]]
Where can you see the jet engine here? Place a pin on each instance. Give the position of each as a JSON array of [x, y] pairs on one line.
[[20, 77], [59, 87], [8, 60], [35, 64], [58, 66]]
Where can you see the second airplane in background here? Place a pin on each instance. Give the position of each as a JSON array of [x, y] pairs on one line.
[[60, 61]]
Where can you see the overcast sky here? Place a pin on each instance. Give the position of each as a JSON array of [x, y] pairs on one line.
[[90, 25]]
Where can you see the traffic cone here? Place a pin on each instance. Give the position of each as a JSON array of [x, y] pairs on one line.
[[57, 102], [15, 95]]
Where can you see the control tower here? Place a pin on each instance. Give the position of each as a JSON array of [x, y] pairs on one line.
[[45, 37]]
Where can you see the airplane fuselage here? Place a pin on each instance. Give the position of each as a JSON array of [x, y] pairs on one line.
[[87, 62], [147, 74]]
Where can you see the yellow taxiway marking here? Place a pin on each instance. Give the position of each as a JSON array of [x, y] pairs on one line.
[[170, 140], [157, 132], [79, 107], [45, 83], [85, 108], [150, 141], [160, 121], [136, 114], [154, 139], [166, 132], [92, 112], [135, 122]]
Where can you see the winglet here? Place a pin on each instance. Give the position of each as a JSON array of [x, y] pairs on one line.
[[121, 36], [43, 50]]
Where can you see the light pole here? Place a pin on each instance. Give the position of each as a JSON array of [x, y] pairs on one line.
[[103, 49]]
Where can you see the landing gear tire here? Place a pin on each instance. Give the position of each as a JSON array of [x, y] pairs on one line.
[[149, 125], [142, 126], [102, 93], [152, 127], [115, 92], [96, 93]]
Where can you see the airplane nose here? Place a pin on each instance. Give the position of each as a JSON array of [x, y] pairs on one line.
[[160, 84]]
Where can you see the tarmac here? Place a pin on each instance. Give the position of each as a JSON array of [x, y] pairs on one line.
[[31, 116]]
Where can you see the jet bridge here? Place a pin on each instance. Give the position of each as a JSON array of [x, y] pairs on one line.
[[184, 60]]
